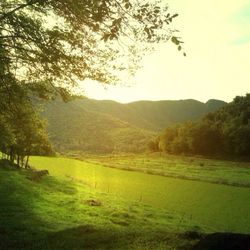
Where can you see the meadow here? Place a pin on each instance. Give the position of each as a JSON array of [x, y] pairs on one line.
[[225, 172], [206, 206], [61, 213]]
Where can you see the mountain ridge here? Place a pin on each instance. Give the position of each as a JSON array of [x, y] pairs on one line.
[[105, 126]]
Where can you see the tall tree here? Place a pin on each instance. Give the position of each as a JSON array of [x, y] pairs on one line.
[[22, 132], [52, 43]]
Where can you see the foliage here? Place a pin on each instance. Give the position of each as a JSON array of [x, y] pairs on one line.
[[22, 131], [56, 43], [223, 132]]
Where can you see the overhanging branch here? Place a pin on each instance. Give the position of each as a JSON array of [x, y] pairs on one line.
[[5, 15]]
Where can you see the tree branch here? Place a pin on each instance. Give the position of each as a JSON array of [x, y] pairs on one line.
[[17, 9]]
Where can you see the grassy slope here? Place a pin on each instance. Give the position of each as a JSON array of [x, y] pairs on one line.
[[53, 214]]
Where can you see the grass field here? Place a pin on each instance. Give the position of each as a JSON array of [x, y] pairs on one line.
[[202, 205], [58, 213], [193, 168], [83, 205]]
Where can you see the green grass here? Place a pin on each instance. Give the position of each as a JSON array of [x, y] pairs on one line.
[[54, 214], [210, 207], [193, 168]]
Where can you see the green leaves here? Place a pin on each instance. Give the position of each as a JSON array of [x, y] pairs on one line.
[[177, 42], [170, 18], [64, 41], [127, 4]]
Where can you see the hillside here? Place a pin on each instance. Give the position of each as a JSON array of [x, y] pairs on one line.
[[225, 132], [152, 115], [107, 126]]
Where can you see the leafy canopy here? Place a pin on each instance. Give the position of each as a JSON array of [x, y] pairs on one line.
[[55, 43]]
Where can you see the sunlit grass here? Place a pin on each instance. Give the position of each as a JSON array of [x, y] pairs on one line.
[[55, 214], [212, 207], [194, 168]]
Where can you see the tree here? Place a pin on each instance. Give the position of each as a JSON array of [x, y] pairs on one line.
[[167, 138], [22, 131], [54, 43], [31, 137], [206, 139], [6, 136]]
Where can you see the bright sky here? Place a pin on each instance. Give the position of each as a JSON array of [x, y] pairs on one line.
[[217, 42]]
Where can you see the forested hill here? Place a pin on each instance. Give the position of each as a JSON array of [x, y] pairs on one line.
[[151, 115], [104, 126], [225, 132]]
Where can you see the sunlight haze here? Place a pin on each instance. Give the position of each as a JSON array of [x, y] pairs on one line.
[[217, 43]]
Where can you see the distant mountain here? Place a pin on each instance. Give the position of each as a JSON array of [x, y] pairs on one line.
[[213, 104], [105, 126], [152, 115]]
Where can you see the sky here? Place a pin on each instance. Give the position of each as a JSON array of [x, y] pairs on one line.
[[217, 42]]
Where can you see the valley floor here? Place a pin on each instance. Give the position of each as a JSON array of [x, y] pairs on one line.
[[56, 213], [182, 167], [83, 205]]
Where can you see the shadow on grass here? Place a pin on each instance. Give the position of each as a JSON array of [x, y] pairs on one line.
[[89, 237], [224, 241], [20, 226]]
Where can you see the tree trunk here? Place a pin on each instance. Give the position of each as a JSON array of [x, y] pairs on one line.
[[22, 161], [27, 161], [18, 160], [12, 156]]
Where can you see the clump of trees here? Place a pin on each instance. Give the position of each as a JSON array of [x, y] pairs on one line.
[[22, 132], [225, 132]]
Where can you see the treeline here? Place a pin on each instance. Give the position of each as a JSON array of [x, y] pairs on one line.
[[225, 132], [22, 132]]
